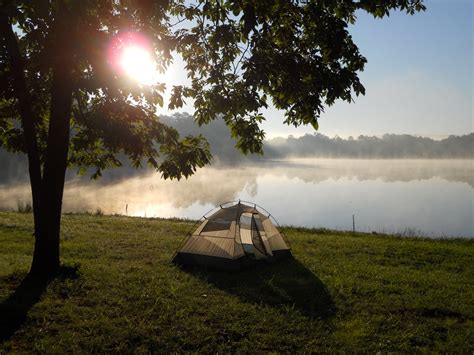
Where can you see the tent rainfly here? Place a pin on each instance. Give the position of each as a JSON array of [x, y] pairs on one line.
[[236, 236]]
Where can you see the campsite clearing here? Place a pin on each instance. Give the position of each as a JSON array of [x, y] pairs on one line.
[[119, 292]]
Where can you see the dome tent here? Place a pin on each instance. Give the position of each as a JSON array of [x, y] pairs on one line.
[[235, 236]]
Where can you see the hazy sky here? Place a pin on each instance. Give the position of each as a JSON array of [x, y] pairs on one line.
[[418, 79]]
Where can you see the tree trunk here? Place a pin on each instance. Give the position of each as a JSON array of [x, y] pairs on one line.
[[46, 253]]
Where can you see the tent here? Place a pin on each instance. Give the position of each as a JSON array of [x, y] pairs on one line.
[[237, 235]]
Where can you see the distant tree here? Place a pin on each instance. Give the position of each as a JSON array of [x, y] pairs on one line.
[[63, 104]]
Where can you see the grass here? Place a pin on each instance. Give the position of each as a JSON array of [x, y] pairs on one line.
[[120, 293], [24, 207]]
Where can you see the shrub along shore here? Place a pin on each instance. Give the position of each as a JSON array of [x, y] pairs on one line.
[[118, 291]]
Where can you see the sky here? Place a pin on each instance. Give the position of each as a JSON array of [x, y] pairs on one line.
[[418, 79]]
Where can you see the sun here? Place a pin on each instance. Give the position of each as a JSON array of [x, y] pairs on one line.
[[137, 63], [132, 56]]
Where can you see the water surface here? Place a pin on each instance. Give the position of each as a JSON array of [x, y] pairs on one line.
[[426, 197]]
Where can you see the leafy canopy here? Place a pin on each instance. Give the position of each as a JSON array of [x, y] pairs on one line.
[[239, 56]]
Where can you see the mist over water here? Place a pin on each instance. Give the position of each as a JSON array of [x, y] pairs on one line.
[[425, 197]]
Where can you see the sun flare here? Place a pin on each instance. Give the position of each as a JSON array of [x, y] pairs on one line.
[[137, 63], [132, 56]]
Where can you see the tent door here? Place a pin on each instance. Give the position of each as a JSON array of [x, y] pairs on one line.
[[263, 235], [250, 236]]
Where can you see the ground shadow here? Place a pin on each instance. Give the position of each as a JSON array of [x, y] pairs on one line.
[[15, 308], [287, 282]]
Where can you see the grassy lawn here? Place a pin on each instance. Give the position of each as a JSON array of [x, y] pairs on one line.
[[119, 293]]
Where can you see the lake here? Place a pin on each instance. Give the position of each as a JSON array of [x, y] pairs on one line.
[[422, 197]]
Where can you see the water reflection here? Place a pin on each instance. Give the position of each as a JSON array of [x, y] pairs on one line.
[[432, 196], [318, 170]]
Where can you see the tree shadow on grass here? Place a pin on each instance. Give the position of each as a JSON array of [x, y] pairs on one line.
[[15, 308], [287, 282]]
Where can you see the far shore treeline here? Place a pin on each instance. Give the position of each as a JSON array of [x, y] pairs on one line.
[[389, 146]]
